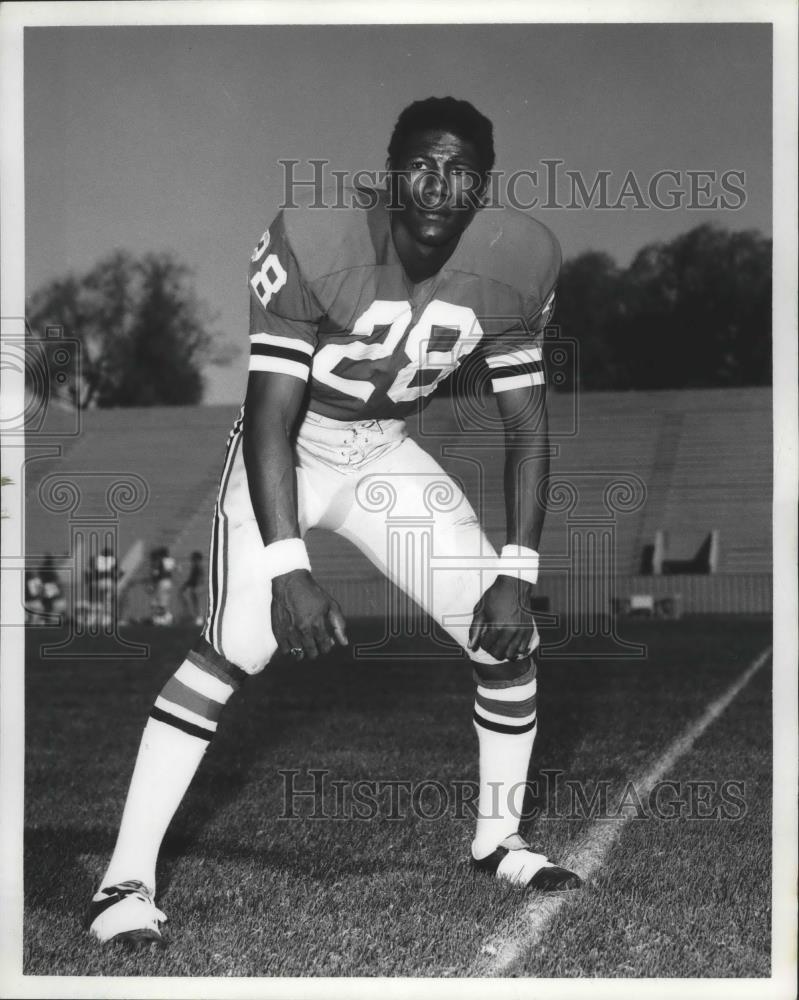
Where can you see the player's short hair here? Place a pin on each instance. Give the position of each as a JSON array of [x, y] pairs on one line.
[[459, 117]]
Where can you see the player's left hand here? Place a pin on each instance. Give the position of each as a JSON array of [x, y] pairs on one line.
[[503, 624]]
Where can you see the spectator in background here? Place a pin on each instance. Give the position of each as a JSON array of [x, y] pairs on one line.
[[104, 574], [190, 591], [52, 592], [162, 569], [34, 605]]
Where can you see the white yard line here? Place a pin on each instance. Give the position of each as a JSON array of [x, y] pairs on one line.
[[516, 938]]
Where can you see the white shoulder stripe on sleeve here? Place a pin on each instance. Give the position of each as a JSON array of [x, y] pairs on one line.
[[290, 343], [517, 381], [267, 363], [521, 357]]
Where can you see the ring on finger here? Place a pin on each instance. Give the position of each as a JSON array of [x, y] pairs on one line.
[[297, 652]]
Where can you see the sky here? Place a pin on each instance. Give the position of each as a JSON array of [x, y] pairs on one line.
[[169, 138]]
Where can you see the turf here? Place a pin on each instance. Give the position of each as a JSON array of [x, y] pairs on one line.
[[250, 893], [684, 897]]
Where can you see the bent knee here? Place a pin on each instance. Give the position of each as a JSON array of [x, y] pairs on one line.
[[247, 653]]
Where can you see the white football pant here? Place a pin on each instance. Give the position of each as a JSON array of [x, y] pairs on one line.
[[371, 484]]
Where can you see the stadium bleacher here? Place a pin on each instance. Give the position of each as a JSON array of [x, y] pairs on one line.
[[703, 456]]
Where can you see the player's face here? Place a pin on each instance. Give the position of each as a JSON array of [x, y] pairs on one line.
[[437, 186]]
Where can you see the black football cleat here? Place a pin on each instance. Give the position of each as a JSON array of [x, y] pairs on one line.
[[513, 861]]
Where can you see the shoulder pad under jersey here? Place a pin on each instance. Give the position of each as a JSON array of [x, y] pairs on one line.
[[507, 246], [333, 238]]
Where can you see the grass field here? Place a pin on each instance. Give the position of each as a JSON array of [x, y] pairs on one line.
[[251, 892]]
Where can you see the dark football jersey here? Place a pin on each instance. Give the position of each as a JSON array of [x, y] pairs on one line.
[[330, 302]]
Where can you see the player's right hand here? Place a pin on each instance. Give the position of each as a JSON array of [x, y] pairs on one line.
[[304, 616]]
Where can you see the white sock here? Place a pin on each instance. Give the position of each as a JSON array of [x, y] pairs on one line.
[[175, 738], [505, 722]]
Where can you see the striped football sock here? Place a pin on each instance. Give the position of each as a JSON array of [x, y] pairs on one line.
[[505, 721], [181, 725]]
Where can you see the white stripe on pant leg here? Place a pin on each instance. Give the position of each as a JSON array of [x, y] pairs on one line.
[[213, 558], [209, 620], [503, 950], [221, 535], [215, 564]]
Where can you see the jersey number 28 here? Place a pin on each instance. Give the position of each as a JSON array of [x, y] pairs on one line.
[[396, 316]]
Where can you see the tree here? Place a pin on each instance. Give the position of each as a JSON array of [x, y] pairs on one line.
[[144, 333], [699, 311], [692, 312], [589, 307]]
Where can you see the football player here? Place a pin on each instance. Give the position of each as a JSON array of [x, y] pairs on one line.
[[190, 590], [356, 314]]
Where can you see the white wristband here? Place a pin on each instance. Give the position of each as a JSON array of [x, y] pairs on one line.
[[521, 562], [284, 556]]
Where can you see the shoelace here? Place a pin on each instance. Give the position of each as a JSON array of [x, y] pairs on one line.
[[518, 843], [132, 886], [140, 890]]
